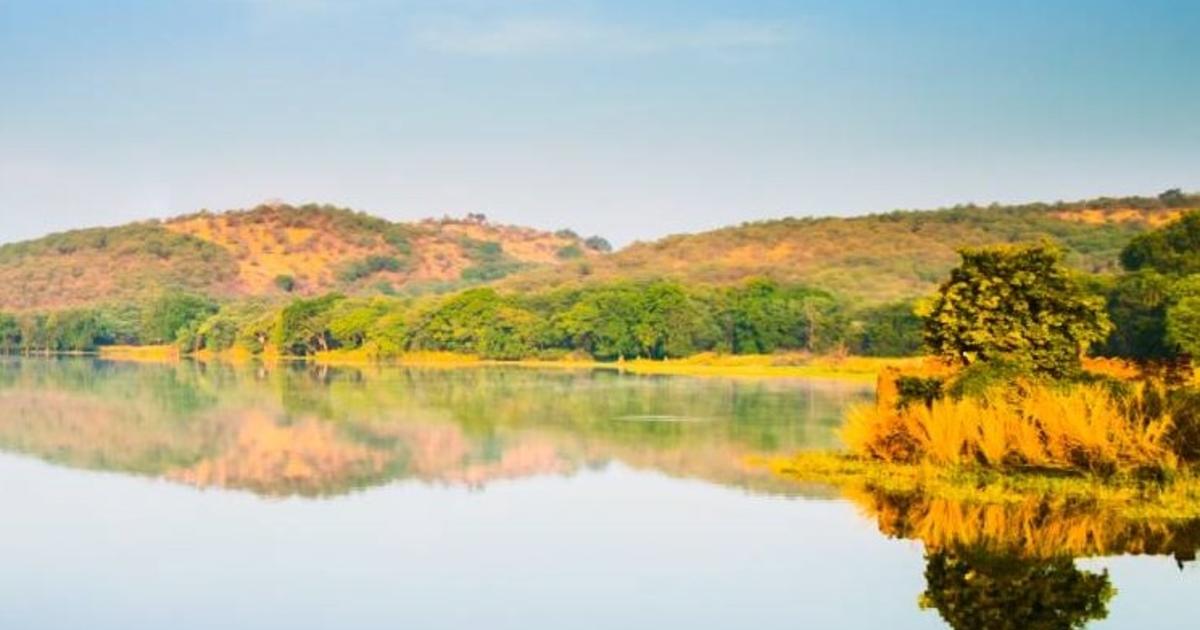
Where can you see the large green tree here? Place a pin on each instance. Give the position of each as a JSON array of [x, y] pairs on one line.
[[1015, 303]]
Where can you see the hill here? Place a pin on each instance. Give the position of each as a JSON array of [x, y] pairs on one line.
[[874, 258], [272, 250], [279, 250]]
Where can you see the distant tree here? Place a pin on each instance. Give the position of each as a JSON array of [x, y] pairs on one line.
[[1183, 317], [165, 316], [569, 252], [598, 243], [1016, 303], [285, 283], [762, 316], [889, 330], [1173, 198], [1137, 306], [1172, 249], [10, 333], [303, 326]]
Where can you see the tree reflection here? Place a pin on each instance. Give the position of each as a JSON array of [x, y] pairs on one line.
[[972, 589], [1012, 564]]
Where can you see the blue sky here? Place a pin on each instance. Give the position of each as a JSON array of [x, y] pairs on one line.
[[631, 119]]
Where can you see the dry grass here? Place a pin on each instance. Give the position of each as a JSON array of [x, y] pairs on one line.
[[1079, 428], [140, 353]]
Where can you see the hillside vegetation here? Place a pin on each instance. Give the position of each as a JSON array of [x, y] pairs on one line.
[[876, 258], [272, 250]]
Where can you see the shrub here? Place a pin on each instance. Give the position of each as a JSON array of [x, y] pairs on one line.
[[1082, 427], [285, 283]]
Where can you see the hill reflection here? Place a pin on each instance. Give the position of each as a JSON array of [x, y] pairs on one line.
[[294, 429]]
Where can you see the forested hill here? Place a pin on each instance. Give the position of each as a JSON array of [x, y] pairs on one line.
[[280, 250], [273, 250], [875, 258]]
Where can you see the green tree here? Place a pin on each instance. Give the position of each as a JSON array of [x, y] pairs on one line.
[[303, 326], [890, 330], [1171, 249], [762, 316], [603, 322], [1016, 303], [285, 282], [1183, 316], [165, 316], [10, 333], [1137, 306]]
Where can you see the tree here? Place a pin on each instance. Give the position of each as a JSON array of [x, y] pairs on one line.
[[303, 326], [168, 314], [1137, 306], [975, 589], [1171, 249], [890, 330], [1183, 317], [761, 317], [285, 282], [10, 333], [1015, 303]]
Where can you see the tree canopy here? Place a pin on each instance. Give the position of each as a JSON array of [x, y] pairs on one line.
[[1014, 303]]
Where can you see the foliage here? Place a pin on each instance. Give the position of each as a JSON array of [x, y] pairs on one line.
[[359, 269], [167, 315], [1086, 428], [1173, 249], [302, 326], [888, 330], [1017, 303], [975, 589], [285, 282], [763, 316], [598, 243]]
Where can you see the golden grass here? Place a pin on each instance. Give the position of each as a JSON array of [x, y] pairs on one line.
[[140, 353], [1083, 427]]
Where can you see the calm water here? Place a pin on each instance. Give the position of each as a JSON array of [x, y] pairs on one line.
[[194, 496]]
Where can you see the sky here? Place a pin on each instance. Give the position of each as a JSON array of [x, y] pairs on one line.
[[632, 119]]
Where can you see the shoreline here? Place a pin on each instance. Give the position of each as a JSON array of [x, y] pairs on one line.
[[783, 366]]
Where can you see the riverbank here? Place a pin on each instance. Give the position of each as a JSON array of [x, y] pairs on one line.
[[1176, 497], [784, 365]]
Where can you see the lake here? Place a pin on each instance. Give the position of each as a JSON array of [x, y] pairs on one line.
[[292, 496]]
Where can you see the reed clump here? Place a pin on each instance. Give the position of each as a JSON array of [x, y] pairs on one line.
[[1094, 428]]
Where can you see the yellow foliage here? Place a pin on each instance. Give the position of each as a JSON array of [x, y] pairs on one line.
[[1083, 427]]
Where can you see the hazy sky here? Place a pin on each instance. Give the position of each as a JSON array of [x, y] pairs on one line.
[[628, 118]]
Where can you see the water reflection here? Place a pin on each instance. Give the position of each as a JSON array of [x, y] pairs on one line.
[[297, 429], [1012, 564]]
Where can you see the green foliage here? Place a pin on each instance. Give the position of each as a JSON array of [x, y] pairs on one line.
[[889, 330], [570, 252], [918, 389], [302, 326], [285, 282], [598, 243], [975, 589], [1173, 249], [1137, 306], [763, 316], [1017, 303], [358, 269], [10, 333], [164, 317], [488, 261], [1183, 316]]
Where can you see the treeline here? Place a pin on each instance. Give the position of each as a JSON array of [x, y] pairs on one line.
[[1153, 306], [654, 320]]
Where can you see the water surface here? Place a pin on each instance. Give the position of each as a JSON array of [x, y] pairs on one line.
[[202, 496]]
